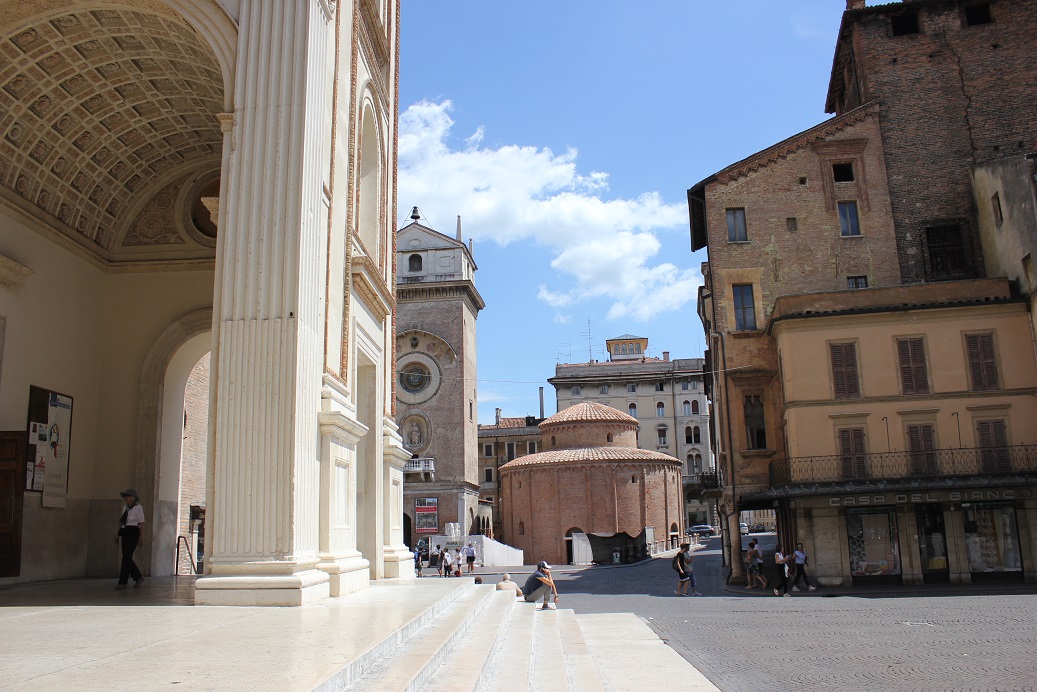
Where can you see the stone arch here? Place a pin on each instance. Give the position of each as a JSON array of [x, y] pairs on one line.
[[371, 180], [150, 405], [218, 28]]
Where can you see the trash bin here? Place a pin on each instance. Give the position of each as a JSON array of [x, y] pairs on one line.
[[616, 559]]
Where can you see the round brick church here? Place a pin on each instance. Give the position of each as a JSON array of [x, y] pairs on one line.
[[591, 495]]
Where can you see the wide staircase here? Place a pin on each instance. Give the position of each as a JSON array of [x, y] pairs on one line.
[[477, 638]]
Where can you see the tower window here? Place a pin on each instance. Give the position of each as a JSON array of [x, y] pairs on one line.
[[978, 14], [842, 172], [414, 263], [905, 23]]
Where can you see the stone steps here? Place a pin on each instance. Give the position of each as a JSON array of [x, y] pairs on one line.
[[489, 641], [410, 665]]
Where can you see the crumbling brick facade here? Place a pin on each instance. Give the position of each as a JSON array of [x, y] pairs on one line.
[[953, 94]]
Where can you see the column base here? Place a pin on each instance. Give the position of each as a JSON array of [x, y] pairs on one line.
[[398, 562], [346, 574], [296, 589]]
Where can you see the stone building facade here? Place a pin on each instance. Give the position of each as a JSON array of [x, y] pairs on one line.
[[186, 176], [866, 382], [507, 439], [666, 396], [436, 390], [590, 479]]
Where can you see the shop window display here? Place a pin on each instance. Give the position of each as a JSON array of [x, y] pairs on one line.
[[991, 539], [873, 542]]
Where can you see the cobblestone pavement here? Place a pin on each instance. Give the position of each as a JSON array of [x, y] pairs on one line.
[[755, 642]]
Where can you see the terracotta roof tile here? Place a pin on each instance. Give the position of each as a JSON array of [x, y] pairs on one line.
[[591, 412], [591, 454]]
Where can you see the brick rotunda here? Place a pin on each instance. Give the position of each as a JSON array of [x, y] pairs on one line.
[[591, 492]]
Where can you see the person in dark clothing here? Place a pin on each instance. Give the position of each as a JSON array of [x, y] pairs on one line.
[[129, 532], [541, 585]]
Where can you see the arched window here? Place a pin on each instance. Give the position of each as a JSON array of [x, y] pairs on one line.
[[414, 263], [633, 410], [688, 437], [370, 184], [522, 528], [660, 410], [637, 348], [698, 463], [552, 441], [609, 438], [687, 408], [691, 463], [695, 408], [696, 435]]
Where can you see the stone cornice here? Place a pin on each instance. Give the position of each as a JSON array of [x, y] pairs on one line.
[[370, 288], [12, 273], [441, 291]]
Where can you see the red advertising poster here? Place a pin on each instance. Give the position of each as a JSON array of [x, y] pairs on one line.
[[426, 515]]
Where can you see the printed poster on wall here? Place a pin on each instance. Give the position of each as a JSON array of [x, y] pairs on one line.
[[59, 439], [426, 515]]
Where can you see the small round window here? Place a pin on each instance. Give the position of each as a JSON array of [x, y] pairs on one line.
[[415, 377]]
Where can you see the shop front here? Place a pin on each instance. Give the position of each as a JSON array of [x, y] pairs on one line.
[[930, 537]]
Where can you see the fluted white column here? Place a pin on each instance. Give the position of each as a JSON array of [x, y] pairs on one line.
[[263, 523]]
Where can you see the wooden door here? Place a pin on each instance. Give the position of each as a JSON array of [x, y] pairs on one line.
[[12, 488]]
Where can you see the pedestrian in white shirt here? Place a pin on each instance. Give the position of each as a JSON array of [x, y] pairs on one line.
[[129, 532]]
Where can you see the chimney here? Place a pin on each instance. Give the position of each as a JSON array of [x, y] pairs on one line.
[[459, 229], [854, 4], [498, 416], [541, 403], [666, 356]]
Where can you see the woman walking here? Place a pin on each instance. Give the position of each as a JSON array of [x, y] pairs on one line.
[[129, 532]]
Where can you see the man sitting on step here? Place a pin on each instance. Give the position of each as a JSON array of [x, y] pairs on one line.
[[505, 584], [540, 584]]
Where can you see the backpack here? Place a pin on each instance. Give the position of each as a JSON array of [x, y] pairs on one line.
[[676, 563]]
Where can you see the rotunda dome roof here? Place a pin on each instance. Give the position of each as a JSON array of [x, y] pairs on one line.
[[589, 412], [590, 454]]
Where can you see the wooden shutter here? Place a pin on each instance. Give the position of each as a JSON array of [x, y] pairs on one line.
[[993, 444], [913, 371], [844, 371], [982, 363], [851, 450], [922, 441]]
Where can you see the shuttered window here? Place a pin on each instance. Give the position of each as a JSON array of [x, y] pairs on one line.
[[851, 452], [982, 363], [921, 439], [993, 445], [844, 371], [913, 372]]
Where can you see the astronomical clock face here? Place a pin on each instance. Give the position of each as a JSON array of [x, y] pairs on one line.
[[415, 377]]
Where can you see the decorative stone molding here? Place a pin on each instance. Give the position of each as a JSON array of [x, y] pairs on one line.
[[12, 273], [370, 288], [328, 8]]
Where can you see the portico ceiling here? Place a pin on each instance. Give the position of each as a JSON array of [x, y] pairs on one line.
[[105, 109]]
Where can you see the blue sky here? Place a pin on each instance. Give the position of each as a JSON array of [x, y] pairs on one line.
[[566, 134]]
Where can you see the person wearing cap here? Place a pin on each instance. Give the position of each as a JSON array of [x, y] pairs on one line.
[[541, 585], [129, 531]]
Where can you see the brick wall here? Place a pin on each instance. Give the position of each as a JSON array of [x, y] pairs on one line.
[[194, 451], [951, 96]]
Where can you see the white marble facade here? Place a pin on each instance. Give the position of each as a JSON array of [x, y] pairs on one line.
[[162, 151]]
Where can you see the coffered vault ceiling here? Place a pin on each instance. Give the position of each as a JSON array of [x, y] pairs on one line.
[[108, 123]]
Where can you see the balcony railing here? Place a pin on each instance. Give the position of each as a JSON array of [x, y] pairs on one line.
[[710, 481], [420, 465], [937, 463]]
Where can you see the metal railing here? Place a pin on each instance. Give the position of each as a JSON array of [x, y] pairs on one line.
[[190, 555], [420, 465], [710, 481], [937, 463]]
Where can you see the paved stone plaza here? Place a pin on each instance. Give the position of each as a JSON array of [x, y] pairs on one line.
[[879, 642]]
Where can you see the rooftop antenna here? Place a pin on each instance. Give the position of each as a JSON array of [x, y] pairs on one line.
[[564, 348], [590, 344]]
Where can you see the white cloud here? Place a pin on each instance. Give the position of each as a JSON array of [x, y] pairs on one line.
[[602, 247], [492, 397]]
